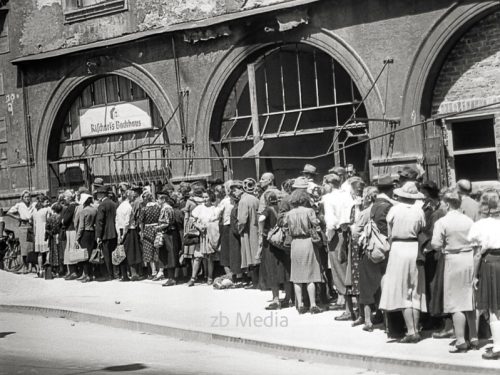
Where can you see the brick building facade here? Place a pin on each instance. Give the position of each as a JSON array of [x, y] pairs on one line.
[[210, 70]]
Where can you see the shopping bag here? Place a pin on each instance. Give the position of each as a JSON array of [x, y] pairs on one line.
[[96, 257], [118, 255], [77, 255]]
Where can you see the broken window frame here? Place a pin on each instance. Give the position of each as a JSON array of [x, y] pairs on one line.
[[359, 125], [452, 153]]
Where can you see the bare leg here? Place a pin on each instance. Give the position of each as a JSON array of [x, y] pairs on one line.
[[368, 315], [411, 317], [196, 267], [311, 291], [459, 326], [472, 323], [298, 294], [210, 268]]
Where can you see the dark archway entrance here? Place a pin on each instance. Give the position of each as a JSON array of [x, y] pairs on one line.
[[101, 119], [300, 97]]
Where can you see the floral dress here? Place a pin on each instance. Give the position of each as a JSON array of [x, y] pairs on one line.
[[53, 229], [150, 216]]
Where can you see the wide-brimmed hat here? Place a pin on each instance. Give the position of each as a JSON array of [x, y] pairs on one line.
[[83, 198], [409, 190], [310, 169], [408, 172], [300, 183], [384, 180], [98, 182]]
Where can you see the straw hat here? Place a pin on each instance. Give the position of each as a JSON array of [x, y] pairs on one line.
[[409, 190]]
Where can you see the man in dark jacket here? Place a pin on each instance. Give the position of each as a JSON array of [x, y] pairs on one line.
[[105, 227]]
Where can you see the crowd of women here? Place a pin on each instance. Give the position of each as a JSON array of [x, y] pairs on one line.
[[401, 252]]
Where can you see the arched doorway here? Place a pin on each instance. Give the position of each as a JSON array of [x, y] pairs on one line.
[[101, 120], [300, 97]]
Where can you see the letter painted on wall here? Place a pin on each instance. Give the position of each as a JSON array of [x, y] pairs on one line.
[[114, 119]]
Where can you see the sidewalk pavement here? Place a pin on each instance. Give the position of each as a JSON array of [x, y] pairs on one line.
[[234, 317]]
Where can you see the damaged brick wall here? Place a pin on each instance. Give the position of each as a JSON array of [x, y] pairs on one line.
[[140, 15]]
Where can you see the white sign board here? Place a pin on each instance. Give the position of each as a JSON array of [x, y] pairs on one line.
[[114, 119]]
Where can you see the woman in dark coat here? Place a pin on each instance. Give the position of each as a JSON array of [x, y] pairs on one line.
[[274, 260], [234, 235]]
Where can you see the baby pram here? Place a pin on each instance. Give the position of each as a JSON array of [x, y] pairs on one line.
[[10, 252]]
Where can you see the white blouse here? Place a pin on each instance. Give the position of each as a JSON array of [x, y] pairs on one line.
[[25, 213], [485, 233]]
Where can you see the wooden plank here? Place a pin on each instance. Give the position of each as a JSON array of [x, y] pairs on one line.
[[254, 111]]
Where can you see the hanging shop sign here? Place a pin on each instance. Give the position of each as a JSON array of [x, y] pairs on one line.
[[114, 119]]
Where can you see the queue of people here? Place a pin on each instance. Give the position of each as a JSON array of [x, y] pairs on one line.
[[400, 253]]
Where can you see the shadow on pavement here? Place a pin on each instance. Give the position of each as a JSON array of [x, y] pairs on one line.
[[130, 367], [3, 334]]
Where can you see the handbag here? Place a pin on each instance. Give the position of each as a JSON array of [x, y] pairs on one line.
[[376, 244], [77, 255], [118, 255], [159, 241], [191, 233], [96, 257], [277, 238]]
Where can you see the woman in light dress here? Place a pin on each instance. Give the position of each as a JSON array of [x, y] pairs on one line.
[[40, 217], [403, 286], [450, 237]]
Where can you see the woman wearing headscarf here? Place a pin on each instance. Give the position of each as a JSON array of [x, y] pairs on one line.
[[301, 222], [450, 237], [23, 213], [484, 236], [403, 287], [85, 233], [40, 216]]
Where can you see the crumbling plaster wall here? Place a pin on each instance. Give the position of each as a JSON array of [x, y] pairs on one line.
[[43, 27]]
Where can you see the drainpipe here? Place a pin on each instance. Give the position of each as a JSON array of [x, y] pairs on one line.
[[27, 128]]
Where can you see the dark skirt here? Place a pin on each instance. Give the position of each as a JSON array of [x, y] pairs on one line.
[[275, 265], [55, 251], [370, 278], [132, 244], [488, 295], [436, 299], [169, 252], [353, 289], [87, 241], [224, 256], [234, 253]]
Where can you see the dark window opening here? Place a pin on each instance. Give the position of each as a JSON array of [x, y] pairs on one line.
[[476, 167], [468, 135]]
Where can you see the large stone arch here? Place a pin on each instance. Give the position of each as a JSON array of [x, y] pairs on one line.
[[79, 77], [251, 45], [438, 42]]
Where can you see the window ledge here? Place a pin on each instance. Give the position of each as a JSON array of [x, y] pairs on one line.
[[93, 11]]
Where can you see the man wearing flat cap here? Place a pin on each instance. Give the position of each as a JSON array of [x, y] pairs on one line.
[[469, 206], [105, 230]]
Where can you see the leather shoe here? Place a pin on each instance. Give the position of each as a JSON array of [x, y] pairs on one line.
[[302, 310], [368, 327], [444, 334], [315, 310], [72, 276], [490, 354], [461, 348], [344, 317], [273, 306], [358, 322], [411, 339], [169, 282], [124, 279]]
